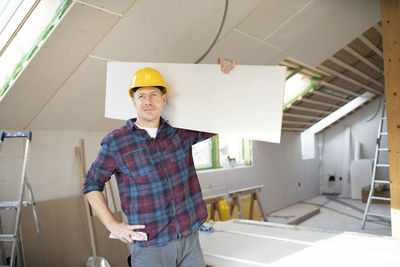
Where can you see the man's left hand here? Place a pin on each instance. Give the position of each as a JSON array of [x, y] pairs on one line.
[[227, 65]]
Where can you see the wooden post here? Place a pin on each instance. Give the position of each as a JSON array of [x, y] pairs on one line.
[[391, 52]]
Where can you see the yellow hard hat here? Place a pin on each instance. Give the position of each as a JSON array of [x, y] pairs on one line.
[[147, 77]]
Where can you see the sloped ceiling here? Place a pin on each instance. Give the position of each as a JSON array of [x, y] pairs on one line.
[[63, 87]]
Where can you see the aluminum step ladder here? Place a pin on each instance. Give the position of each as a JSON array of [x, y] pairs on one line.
[[379, 150], [15, 238]]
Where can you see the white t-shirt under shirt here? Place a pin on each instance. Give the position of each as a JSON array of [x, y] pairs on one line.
[[151, 131]]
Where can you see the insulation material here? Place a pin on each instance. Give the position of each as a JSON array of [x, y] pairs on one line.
[[245, 103], [360, 176]]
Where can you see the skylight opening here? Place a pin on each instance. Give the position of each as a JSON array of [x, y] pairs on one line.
[[23, 25], [295, 87]]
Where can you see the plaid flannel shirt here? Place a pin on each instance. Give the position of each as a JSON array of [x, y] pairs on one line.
[[156, 177]]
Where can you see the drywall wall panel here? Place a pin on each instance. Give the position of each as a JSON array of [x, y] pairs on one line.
[[247, 102], [364, 127], [170, 31], [75, 36], [360, 175], [77, 105]]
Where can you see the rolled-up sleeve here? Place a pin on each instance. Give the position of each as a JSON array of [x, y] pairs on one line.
[[100, 171]]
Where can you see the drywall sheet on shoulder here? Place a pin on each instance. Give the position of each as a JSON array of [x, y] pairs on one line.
[[246, 103]]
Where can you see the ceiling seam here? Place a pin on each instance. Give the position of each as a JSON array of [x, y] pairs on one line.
[[112, 27], [261, 41], [221, 39], [99, 8], [289, 19]]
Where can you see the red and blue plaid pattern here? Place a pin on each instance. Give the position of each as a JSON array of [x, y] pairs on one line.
[[156, 177]]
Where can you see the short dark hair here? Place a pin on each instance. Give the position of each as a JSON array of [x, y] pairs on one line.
[[162, 89]]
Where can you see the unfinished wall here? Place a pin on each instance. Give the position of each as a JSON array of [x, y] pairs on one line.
[[361, 130]]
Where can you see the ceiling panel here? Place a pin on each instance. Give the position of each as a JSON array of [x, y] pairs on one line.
[[72, 40], [117, 6], [79, 104], [244, 50], [174, 31], [337, 29], [270, 16]]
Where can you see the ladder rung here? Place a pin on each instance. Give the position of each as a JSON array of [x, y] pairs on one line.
[[7, 237], [382, 165], [384, 118], [378, 215], [384, 149], [381, 198], [13, 204], [384, 133], [382, 181]]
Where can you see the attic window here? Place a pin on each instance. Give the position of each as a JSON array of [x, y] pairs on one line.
[[295, 86], [24, 24]]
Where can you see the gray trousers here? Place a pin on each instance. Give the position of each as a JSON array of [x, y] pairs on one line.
[[183, 253]]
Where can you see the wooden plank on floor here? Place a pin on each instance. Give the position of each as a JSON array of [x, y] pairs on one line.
[[293, 214]]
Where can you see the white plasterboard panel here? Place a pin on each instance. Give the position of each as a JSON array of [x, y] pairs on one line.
[[170, 31], [360, 175], [78, 103], [338, 28], [119, 6], [247, 102], [293, 245], [308, 136], [244, 50], [311, 18], [269, 16], [80, 30]]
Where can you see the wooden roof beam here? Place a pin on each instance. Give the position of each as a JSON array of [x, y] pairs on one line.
[[315, 102], [309, 109], [344, 77], [356, 71], [329, 96], [370, 45], [297, 122], [378, 28], [340, 89], [301, 116], [357, 55], [293, 129]]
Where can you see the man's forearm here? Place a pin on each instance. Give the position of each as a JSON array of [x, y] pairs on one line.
[[99, 204]]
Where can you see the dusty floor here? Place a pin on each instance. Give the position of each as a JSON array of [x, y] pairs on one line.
[[346, 215]]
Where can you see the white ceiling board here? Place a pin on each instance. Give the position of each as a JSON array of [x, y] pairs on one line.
[[244, 50], [329, 34], [247, 102], [117, 6], [310, 18], [269, 16], [170, 31], [80, 30], [78, 105]]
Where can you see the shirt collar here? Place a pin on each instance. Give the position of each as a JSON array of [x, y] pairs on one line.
[[133, 126]]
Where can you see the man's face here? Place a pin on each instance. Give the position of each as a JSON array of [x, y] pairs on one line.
[[149, 103]]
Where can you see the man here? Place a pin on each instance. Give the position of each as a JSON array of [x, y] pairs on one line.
[[158, 186]]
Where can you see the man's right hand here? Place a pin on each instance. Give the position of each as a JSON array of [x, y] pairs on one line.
[[125, 232]]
